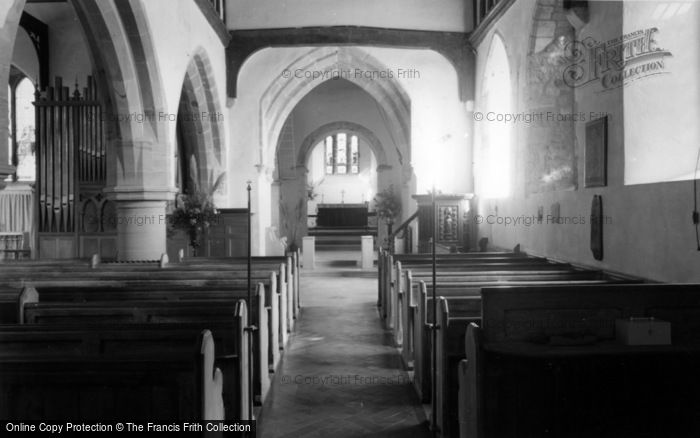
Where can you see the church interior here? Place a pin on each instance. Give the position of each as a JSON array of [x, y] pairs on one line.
[[306, 218]]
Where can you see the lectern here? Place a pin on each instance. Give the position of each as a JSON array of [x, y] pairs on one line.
[[454, 230]]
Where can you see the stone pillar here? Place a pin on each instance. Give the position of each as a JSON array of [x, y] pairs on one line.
[[141, 227], [367, 261], [309, 252]]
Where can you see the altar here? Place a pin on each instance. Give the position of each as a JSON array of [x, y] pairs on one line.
[[342, 215]]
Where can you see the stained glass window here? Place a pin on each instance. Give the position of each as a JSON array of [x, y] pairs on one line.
[[342, 154], [329, 155], [354, 155]]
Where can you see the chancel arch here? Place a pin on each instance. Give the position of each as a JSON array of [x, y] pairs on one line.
[[386, 98], [283, 94], [341, 122]]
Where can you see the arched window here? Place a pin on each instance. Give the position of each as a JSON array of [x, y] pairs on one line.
[[342, 154], [21, 142], [495, 137]]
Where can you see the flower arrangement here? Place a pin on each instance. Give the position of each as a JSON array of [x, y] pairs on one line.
[[292, 217], [195, 212], [311, 192], [388, 204]]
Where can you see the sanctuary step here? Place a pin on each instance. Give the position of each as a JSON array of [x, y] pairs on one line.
[[340, 238], [345, 231]]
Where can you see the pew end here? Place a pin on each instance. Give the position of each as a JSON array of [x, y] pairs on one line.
[[245, 390], [95, 261], [470, 374], [28, 295], [212, 380], [164, 260]]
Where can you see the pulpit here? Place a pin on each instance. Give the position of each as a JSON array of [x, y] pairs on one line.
[[453, 225]]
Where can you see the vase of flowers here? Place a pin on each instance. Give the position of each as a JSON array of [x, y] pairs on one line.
[[292, 218], [194, 213], [387, 203]]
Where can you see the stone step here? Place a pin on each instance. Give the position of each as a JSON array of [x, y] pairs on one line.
[[344, 232]]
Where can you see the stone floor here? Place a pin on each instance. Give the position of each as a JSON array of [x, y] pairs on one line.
[[340, 376]]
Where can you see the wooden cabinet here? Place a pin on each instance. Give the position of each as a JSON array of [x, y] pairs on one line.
[[451, 221], [227, 237]]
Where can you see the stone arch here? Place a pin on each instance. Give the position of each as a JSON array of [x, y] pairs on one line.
[[284, 94], [550, 146], [363, 133], [10, 13], [28, 62], [126, 68], [200, 118]]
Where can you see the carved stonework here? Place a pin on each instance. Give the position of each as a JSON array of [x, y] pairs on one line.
[[97, 215], [551, 153]]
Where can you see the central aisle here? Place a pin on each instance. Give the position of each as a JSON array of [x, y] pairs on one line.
[[341, 377]]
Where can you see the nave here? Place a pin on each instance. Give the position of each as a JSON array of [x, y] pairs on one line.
[[546, 150]]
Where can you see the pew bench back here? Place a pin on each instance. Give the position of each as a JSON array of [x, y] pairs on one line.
[[545, 344], [170, 375]]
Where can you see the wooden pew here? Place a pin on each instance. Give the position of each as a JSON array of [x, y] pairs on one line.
[[410, 296], [290, 275], [179, 281], [140, 374], [471, 262], [198, 275], [391, 274], [106, 291], [453, 315], [215, 314], [11, 300], [10, 263], [116, 291], [386, 261], [291, 261], [465, 298], [546, 359], [400, 293]]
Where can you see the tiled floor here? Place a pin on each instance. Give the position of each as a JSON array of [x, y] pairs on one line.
[[340, 376]]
